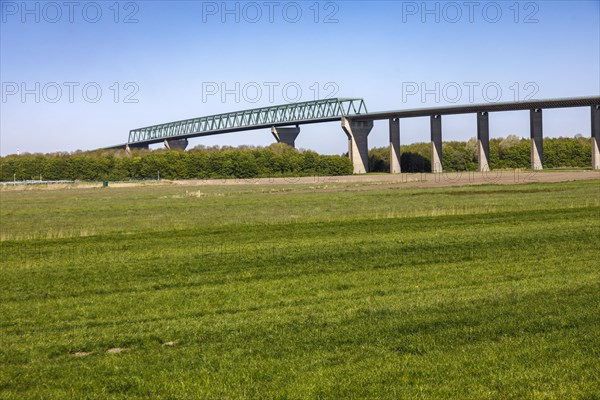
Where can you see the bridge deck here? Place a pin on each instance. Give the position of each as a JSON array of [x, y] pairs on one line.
[[487, 107]]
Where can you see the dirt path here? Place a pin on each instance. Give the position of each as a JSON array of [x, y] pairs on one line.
[[362, 182], [376, 181]]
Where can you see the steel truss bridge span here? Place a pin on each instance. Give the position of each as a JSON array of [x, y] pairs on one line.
[[308, 112]]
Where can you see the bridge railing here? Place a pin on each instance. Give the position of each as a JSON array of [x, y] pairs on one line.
[[317, 110]]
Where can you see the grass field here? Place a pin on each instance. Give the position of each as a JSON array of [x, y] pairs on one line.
[[301, 291]]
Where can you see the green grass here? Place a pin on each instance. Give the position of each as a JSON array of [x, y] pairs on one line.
[[279, 291]]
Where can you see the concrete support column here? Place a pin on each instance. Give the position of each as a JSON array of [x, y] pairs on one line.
[[129, 147], [436, 143], [176, 144], [596, 136], [483, 141], [537, 138], [358, 147], [395, 146], [286, 135]]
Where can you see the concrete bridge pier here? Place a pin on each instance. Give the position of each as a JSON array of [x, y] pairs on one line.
[[483, 141], [395, 146], [286, 135], [358, 147], [596, 137], [537, 138], [436, 143], [176, 144], [129, 147]]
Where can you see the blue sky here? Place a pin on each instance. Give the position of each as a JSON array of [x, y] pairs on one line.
[[155, 62]]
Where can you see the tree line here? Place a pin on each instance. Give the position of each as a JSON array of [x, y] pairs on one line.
[[198, 163], [279, 160]]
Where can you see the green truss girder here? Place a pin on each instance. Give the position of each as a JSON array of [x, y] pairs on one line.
[[293, 113]]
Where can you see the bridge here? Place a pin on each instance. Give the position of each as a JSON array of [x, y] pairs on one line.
[[308, 112], [285, 120]]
